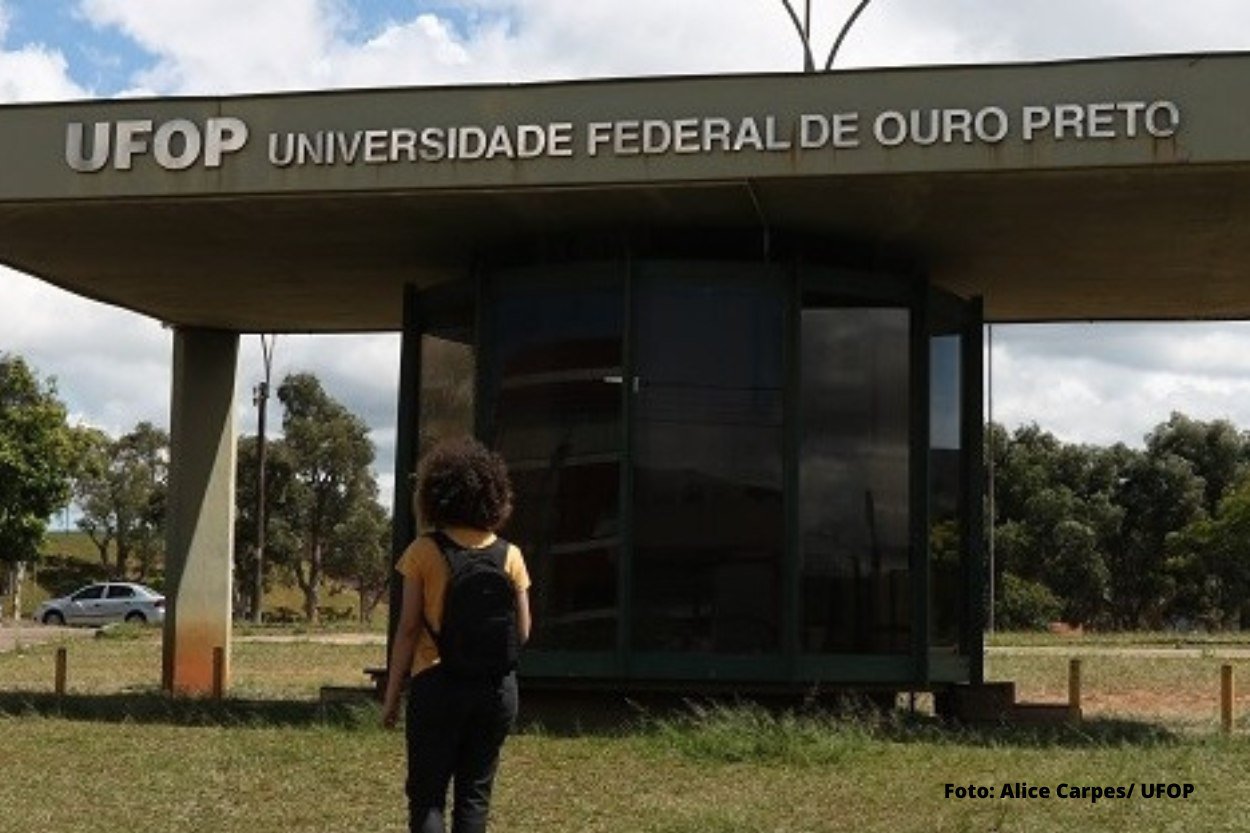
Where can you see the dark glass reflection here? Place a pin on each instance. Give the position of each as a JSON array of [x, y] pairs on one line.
[[448, 379], [708, 515], [556, 419], [946, 579], [853, 480]]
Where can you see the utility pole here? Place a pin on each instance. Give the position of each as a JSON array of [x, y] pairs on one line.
[[260, 397], [989, 390]]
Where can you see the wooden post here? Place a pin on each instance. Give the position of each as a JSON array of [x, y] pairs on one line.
[[1226, 699], [62, 661], [219, 672], [1074, 690]]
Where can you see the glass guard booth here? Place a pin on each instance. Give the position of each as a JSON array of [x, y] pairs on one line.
[[765, 474]]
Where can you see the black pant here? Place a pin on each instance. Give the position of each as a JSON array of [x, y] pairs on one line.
[[455, 729]]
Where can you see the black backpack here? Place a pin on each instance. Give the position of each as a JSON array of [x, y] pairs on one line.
[[479, 636]]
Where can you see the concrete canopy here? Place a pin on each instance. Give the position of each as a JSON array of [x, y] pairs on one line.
[[1116, 189]]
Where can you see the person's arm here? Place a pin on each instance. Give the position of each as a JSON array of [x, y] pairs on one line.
[[520, 575], [405, 645], [523, 621]]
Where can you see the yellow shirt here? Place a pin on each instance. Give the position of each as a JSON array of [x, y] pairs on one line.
[[422, 559]]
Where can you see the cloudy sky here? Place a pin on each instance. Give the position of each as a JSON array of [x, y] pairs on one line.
[[1089, 383]]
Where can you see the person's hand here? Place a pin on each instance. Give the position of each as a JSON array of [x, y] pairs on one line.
[[390, 713]]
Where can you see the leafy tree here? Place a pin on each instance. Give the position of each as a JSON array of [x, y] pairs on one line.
[[1055, 516], [281, 541], [359, 554], [36, 460], [1211, 564], [121, 487], [331, 480], [1216, 450], [1160, 495]]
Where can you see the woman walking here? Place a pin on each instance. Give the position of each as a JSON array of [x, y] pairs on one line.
[[465, 613]]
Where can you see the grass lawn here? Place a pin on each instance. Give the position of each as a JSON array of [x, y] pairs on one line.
[[118, 757]]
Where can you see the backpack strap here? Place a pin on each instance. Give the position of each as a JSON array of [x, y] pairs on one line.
[[444, 543]]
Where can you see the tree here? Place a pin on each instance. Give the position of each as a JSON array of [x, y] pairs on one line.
[[281, 541], [1211, 564], [359, 554], [1055, 517], [1160, 495], [331, 480], [36, 460], [121, 488], [1217, 451]]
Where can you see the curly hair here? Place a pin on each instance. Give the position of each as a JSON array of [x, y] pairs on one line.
[[461, 482]]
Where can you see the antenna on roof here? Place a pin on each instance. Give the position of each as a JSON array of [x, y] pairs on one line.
[[804, 29]]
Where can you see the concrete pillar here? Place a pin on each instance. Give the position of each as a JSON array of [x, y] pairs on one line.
[[199, 526]]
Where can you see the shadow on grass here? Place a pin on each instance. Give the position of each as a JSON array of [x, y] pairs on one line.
[[568, 714], [158, 708], [1100, 732], [737, 721]]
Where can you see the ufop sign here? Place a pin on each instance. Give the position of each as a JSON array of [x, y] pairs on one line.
[[180, 144], [175, 145]]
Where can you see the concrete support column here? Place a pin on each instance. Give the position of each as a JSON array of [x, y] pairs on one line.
[[199, 531]]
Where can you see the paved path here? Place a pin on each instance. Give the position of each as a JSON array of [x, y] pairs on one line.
[[31, 633], [319, 638], [1143, 651]]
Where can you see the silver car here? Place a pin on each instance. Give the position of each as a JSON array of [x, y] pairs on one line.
[[105, 603]]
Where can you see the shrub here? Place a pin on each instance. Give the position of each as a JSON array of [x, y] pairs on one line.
[[1025, 605]]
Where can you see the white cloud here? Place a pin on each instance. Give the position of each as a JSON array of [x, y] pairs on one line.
[[1105, 383], [1093, 384], [33, 72]]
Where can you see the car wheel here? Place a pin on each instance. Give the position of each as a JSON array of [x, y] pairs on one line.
[[134, 617], [54, 617]]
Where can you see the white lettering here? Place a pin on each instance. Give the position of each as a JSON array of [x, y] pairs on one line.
[[657, 136], [99, 147], [1000, 129], [130, 141], [716, 133], [1166, 127], [748, 134], [500, 144], [224, 135], [686, 136], [598, 133], [890, 129], [1035, 119], [163, 145], [772, 140], [376, 143], [560, 139], [403, 145], [845, 130], [815, 131]]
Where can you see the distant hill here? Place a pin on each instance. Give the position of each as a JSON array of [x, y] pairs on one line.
[[76, 545]]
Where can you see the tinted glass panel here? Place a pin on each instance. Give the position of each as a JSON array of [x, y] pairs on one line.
[[708, 519], [946, 580], [120, 592], [95, 591], [557, 421], [448, 376], [853, 472]]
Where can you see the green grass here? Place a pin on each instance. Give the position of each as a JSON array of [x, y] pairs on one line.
[[1121, 638], [270, 759]]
